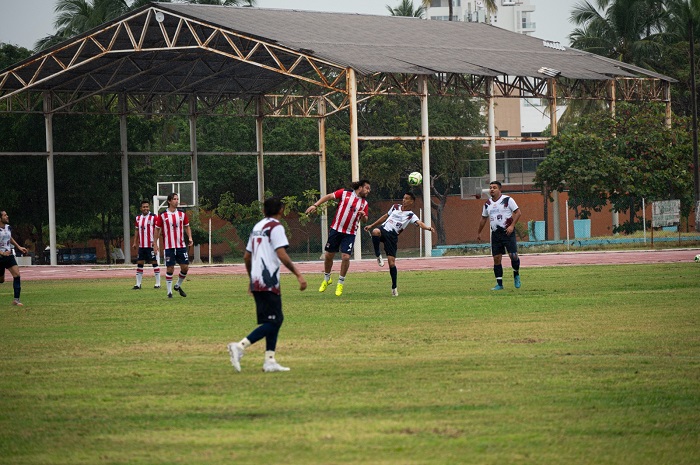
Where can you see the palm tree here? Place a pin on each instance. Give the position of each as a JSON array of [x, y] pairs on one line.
[[405, 8], [625, 30]]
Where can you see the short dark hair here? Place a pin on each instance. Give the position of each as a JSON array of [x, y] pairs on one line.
[[360, 183], [172, 196], [145, 201], [498, 183], [272, 206], [411, 194]]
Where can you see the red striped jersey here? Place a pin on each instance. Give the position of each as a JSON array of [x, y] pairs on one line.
[[172, 225], [145, 225], [349, 205]]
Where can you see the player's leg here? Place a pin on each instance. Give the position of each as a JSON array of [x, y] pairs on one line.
[[346, 246], [331, 248], [497, 252], [169, 270], [156, 267], [183, 260], [391, 241], [512, 248], [376, 239], [16, 284], [139, 270]]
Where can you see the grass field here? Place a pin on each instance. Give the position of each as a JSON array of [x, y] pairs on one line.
[[582, 365]]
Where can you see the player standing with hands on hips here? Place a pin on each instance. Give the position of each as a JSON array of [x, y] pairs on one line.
[[144, 229], [352, 209], [7, 259], [503, 213], [172, 222], [266, 249]]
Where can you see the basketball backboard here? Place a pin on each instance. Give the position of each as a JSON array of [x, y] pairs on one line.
[[184, 190]]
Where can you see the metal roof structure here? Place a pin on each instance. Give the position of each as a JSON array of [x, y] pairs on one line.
[[194, 60]]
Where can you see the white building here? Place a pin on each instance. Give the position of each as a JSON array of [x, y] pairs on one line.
[[514, 117]]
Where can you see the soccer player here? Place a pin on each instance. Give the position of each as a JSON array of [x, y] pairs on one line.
[[394, 222], [266, 249], [503, 213], [143, 239], [352, 209], [7, 258], [173, 222]]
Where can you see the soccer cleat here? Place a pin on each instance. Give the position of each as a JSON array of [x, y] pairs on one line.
[[170, 296], [156, 287], [497, 287], [17, 303], [271, 366], [235, 350], [136, 288], [395, 292], [516, 281], [380, 260], [182, 293], [339, 290], [324, 285]]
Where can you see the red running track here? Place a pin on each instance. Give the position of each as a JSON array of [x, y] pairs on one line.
[[623, 257]]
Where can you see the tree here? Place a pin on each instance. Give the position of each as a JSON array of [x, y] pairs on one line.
[[621, 160], [405, 8]]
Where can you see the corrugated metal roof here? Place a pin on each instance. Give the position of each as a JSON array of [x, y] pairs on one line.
[[395, 44]]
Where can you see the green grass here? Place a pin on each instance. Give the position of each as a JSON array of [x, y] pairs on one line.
[[586, 365]]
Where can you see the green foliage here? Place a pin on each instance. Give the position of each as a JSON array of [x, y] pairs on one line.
[[242, 216], [11, 54], [621, 159]]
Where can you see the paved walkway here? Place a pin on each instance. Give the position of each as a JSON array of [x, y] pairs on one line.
[[370, 265]]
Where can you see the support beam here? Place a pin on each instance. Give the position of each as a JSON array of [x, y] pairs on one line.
[[260, 148], [323, 187], [354, 146], [552, 90], [194, 163], [123, 142], [491, 101], [425, 152], [612, 105], [51, 185]]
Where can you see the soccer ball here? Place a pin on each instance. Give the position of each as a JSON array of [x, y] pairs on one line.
[[415, 178], [697, 258]]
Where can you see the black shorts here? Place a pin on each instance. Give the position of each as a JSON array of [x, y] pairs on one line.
[[146, 254], [390, 240], [502, 242], [178, 256], [268, 306], [339, 242], [7, 262]]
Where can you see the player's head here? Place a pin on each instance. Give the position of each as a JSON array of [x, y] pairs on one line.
[[495, 189], [273, 206], [408, 199], [361, 187], [4, 218], [173, 200], [145, 206]]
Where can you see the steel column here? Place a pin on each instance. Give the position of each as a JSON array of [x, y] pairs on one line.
[[123, 142], [194, 164], [491, 128], [51, 185], [425, 152], [552, 90], [354, 146], [322, 169], [259, 147]]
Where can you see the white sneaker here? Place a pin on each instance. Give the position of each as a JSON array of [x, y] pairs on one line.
[[380, 261], [395, 292], [271, 366], [235, 349]]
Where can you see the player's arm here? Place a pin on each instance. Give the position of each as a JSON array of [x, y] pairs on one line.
[[425, 226], [481, 226], [17, 246], [515, 218], [381, 220], [156, 238], [248, 260], [284, 258], [189, 235], [135, 242], [319, 202]]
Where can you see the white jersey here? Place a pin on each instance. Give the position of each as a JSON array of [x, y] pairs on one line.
[[399, 219], [267, 236], [6, 238], [499, 212]]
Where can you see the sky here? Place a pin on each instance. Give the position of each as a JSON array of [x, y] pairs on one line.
[[24, 22]]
